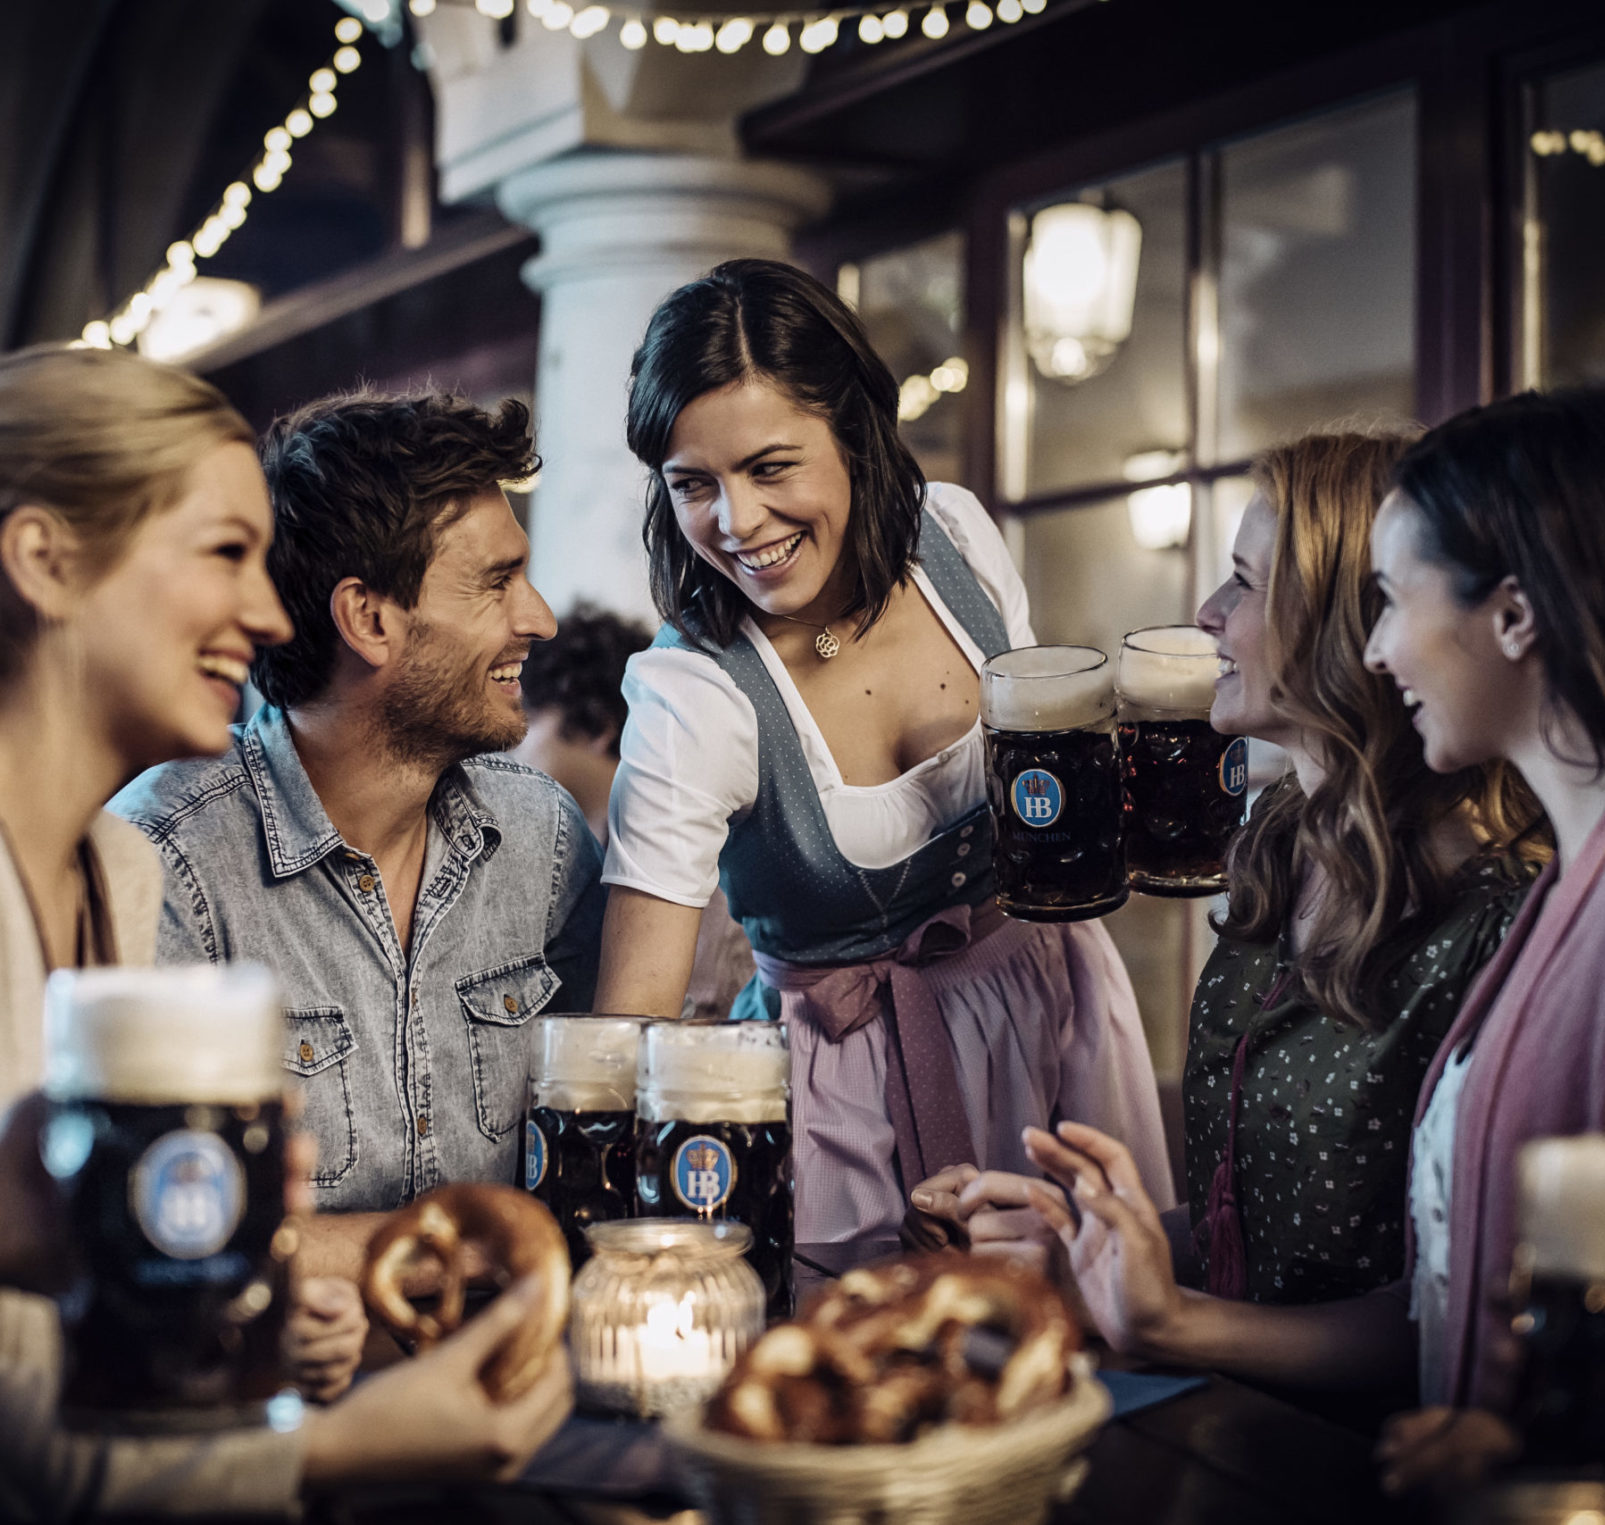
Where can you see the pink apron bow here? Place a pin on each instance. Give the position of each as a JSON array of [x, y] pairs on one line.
[[922, 1088]]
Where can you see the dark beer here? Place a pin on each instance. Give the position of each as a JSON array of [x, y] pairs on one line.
[[582, 1166], [1558, 1287], [714, 1139], [1184, 784], [1053, 782], [579, 1137], [166, 1133], [714, 1171]]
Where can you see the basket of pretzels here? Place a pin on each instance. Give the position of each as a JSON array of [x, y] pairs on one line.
[[930, 1390]]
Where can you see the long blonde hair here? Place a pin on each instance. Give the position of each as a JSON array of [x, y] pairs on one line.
[[1368, 826], [102, 438]]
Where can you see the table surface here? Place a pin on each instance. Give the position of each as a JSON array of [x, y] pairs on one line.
[[1223, 1454]]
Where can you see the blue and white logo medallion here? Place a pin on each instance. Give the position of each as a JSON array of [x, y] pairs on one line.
[[188, 1194], [534, 1156], [1234, 768], [1037, 797], [704, 1174]]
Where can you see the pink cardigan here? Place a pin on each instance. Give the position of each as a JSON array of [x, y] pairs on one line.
[[1537, 1068]]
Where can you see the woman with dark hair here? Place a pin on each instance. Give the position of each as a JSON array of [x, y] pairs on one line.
[[806, 729], [1366, 893], [1491, 560]]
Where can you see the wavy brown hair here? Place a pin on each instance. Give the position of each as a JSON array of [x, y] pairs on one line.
[[1368, 826]]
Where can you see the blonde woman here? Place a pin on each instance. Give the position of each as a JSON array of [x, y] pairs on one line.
[[1366, 892], [134, 522]]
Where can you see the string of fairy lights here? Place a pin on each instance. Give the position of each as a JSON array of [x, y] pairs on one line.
[[229, 212], [1586, 141], [812, 30]]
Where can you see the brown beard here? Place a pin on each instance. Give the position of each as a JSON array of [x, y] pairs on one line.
[[436, 709]]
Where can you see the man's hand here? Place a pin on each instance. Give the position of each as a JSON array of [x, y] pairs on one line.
[[430, 1418], [324, 1336]]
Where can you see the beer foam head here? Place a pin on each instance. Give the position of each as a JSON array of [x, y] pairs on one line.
[[210, 1033], [1169, 667], [1561, 1213], [713, 1072], [586, 1063], [1047, 688]]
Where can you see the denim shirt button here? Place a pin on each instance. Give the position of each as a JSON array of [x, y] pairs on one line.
[[423, 1124], [306, 1052], [365, 883], [509, 1003]]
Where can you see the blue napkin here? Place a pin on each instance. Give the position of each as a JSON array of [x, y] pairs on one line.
[[1134, 1391]]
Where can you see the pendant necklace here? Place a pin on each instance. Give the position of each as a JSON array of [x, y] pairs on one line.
[[825, 643]]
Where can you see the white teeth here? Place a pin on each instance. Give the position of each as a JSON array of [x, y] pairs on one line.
[[758, 560], [1227, 667], [1409, 697], [231, 669], [506, 674]]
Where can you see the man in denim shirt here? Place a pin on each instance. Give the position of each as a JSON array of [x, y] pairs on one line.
[[419, 897]]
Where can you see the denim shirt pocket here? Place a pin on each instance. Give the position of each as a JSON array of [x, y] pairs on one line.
[[497, 1006], [317, 1047]]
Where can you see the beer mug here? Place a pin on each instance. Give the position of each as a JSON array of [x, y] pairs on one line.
[[715, 1135], [1558, 1289], [579, 1137], [1053, 781], [166, 1133], [1184, 782]]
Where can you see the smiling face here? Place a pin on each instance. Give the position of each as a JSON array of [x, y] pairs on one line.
[[455, 689], [168, 633], [762, 493], [1466, 693], [1236, 615]]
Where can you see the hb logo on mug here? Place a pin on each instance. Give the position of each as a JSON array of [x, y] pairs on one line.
[[704, 1174], [1037, 798]]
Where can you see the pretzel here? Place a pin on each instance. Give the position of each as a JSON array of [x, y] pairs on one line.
[[516, 1235], [891, 1351]]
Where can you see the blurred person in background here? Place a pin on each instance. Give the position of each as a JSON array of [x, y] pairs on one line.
[[418, 894], [573, 689], [134, 526]]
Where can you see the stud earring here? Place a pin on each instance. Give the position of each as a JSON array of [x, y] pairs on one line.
[[1512, 649]]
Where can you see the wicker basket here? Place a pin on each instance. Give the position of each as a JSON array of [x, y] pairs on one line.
[[952, 1476]]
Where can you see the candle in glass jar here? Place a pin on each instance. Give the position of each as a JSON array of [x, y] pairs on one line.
[[661, 1312]]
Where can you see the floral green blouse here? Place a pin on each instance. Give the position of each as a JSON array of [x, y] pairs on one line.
[[1323, 1129]]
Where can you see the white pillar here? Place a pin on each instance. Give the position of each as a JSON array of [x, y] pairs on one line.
[[619, 231]]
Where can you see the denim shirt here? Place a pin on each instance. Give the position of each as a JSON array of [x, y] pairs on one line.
[[413, 1065]]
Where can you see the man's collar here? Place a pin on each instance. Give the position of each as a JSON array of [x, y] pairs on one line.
[[298, 829]]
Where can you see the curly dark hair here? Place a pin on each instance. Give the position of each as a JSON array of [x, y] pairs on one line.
[[759, 319], [362, 484], [580, 672]]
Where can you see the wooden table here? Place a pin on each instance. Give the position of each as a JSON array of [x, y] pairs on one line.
[[1224, 1454], [1229, 1453]]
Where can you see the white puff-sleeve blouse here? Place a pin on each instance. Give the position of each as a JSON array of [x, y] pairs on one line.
[[689, 753]]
